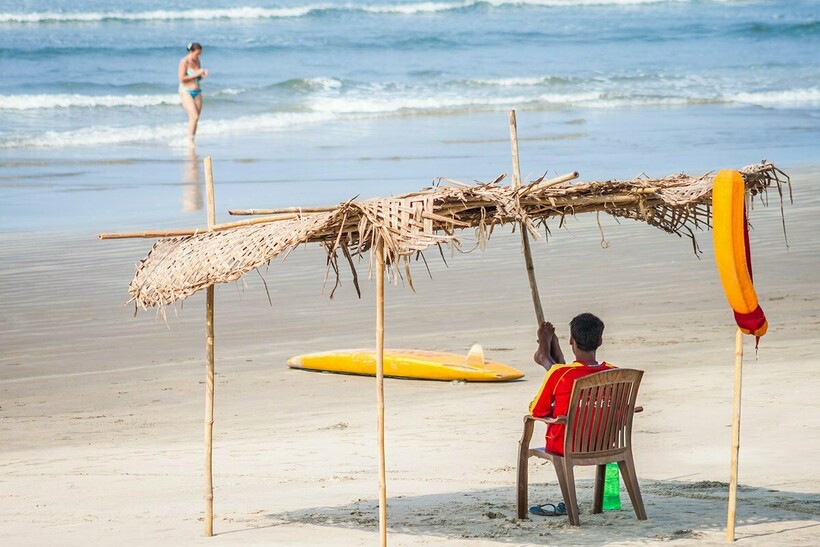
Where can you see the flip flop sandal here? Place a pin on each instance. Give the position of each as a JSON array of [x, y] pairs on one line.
[[549, 510]]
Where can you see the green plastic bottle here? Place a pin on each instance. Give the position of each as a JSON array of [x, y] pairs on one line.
[[612, 488]]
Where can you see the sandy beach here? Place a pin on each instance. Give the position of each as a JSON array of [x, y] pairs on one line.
[[312, 103], [102, 413]]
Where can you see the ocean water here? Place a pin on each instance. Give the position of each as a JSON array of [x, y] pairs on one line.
[[314, 102]]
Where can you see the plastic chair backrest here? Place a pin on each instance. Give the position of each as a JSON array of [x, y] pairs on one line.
[[599, 420]]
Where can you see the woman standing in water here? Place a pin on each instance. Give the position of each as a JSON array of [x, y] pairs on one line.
[[190, 73]]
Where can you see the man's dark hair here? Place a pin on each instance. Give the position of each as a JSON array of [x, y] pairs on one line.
[[587, 330]]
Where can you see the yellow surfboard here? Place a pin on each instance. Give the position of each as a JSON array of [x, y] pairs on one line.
[[410, 363]]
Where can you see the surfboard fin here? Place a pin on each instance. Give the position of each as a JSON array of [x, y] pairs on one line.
[[476, 354]]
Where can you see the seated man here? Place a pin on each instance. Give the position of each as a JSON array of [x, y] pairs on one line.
[[586, 335]]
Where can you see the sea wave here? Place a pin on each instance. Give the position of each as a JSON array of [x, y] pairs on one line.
[[249, 12], [319, 83], [790, 97], [788, 28], [171, 133], [95, 135], [331, 102], [70, 100], [464, 104], [519, 81], [155, 15], [45, 101]]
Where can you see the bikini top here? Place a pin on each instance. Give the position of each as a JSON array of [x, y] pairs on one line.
[[190, 72]]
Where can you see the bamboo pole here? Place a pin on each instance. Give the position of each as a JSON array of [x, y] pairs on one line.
[[557, 206], [380, 389], [552, 182], [193, 231], [249, 222], [626, 198], [558, 202], [525, 240], [209, 191], [150, 234], [730, 520], [307, 211], [209, 368], [282, 210]]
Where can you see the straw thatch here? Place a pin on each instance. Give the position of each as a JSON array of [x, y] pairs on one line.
[[177, 267]]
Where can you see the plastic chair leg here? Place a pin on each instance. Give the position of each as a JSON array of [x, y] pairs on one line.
[[522, 481], [627, 468], [598, 493], [570, 497]]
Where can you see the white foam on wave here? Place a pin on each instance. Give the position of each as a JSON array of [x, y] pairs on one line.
[[158, 15], [250, 12], [323, 82], [67, 100], [511, 82], [412, 103], [432, 7], [45, 101], [419, 7], [415, 103], [573, 3], [315, 84], [628, 102], [95, 135], [172, 133], [791, 97]]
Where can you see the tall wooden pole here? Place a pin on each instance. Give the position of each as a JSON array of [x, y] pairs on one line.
[[525, 240], [730, 520], [380, 390], [209, 367]]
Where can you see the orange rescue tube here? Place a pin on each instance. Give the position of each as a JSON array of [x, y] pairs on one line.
[[732, 255]]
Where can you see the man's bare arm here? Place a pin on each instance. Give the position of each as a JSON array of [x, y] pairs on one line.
[[549, 350]]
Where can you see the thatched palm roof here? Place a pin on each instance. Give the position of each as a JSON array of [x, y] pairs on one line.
[[177, 267]]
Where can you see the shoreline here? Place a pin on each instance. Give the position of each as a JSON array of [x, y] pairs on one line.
[[132, 186]]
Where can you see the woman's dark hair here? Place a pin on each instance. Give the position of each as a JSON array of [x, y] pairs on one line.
[[587, 331], [194, 46]]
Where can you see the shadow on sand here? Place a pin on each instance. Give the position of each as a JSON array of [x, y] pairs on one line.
[[677, 510]]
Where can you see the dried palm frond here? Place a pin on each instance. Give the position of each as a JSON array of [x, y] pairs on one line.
[[177, 267]]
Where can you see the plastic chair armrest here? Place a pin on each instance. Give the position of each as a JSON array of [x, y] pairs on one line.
[[556, 420]]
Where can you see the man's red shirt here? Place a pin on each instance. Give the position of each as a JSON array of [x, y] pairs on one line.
[[553, 397]]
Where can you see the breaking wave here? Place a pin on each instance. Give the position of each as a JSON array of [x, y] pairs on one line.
[[171, 133], [249, 12], [45, 101]]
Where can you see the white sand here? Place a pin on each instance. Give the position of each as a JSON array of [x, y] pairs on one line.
[[101, 414]]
